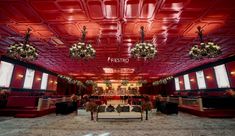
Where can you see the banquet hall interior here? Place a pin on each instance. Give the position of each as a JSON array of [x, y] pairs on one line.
[[117, 67]]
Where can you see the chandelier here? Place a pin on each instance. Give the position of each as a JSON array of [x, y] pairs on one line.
[[143, 49], [205, 49], [82, 50], [23, 51]]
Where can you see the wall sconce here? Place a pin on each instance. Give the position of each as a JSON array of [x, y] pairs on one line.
[[232, 73], [51, 81], [181, 82], [55, 82], [39, 79], [208, 77], [192, 80], [20, 75]]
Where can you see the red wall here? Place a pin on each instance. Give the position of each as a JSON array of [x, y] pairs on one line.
[[181, 81], [51, 82], [54, 83], [193, 80], [19, 74], [163, 89], [211, 83], [37, 80], [64, 88], [231, 73], [210, 78], [18, 77]]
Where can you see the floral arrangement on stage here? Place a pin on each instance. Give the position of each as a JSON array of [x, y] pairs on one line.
[[108, 83], [124, 82], [141, 82]]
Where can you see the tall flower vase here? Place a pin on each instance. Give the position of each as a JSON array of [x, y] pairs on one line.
[[92, 107], [146, 111], [92, 117]]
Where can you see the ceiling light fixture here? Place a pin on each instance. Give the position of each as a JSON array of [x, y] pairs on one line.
[[143, 49], [82, 50], [118, 70], [23, 51], [205, 49]]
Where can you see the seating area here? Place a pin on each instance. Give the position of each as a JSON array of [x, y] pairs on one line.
[[213, 107], [125, 112]]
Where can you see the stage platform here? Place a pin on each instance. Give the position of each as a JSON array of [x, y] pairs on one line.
[[212, 113]]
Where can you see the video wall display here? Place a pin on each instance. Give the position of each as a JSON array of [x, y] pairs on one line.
[[177, 84], [186, 82], [220, 76], [201, 80], [28, 81], [44, 81], [17, 76], [6, 70]]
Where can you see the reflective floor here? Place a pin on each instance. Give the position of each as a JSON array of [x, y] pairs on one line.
[[80, 125]]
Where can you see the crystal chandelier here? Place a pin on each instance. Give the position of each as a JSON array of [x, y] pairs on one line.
[[143, 50], [23, 51], [205, 49], [82, 50]]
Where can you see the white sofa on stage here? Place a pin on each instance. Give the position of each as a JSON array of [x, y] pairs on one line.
[[127, 112]]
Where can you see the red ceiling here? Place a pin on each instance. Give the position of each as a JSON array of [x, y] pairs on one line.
[[113, 28]]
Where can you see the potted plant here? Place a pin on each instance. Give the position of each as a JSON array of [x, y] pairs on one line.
[[92, 107], [3, 98]]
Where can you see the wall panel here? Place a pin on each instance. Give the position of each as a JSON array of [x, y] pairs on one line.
[[52, 83], [181, 81], [193, 80], [231, 73], [18, 77], [37, 80], [210, 78]]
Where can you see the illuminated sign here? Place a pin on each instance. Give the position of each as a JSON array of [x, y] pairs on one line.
[[118, 60], [118, 70]]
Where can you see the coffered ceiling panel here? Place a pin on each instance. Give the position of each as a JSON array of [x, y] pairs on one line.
[[113, 29]]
